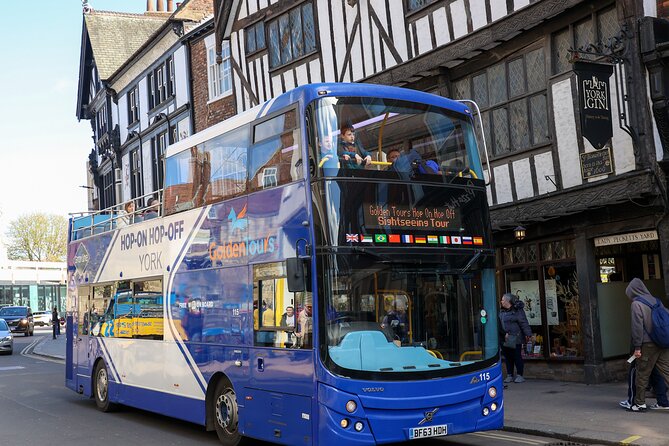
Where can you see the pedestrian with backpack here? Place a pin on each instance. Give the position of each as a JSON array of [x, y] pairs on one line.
[[650, 339]]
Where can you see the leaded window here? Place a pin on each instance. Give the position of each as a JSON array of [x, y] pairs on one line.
[[512, 97], [255, 38], [159, 145], [414, 5], [292, 35]]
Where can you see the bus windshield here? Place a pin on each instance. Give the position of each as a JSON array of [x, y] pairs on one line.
[[372, 135], [385, 318]]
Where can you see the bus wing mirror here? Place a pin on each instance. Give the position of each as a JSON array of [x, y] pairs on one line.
[[295, 270]]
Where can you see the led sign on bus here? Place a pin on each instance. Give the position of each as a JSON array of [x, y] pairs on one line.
[[427, 218]]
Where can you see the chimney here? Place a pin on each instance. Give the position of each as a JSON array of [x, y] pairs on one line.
[[170, 5], [160, 6], [149, 5]]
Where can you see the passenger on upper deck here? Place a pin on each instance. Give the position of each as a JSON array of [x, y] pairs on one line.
[[328, 156], [355, 157], [126, 216], [152, 208]]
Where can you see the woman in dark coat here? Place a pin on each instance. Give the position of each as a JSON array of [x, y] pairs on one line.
[[513, 329]]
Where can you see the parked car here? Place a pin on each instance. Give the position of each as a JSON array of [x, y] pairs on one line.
[[19, 319], [42, 318], [6, 338]]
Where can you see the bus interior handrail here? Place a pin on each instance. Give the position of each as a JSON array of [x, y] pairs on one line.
[[111, 215], [485, 145]]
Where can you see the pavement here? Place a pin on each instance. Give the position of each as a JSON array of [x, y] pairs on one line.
[[573, 412]]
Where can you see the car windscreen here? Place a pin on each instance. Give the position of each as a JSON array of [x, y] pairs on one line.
[[3, 325], [13, 311]]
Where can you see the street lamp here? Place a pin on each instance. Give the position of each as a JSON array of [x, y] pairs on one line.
[[519, 233]]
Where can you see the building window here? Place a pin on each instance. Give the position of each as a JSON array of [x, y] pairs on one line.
[[136, 188], [170, 76], [107, 189], [160, 83], [599, 27], [512, 98], [150, 81], [101, 121], [133, 106], [158, 147], [292, 35], [220, 75], [414, 5], [255, 38], [543, 276]]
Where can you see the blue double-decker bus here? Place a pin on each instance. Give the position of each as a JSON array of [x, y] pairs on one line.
[[320, 272]]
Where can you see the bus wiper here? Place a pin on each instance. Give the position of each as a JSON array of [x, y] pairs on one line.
[[471, 262]]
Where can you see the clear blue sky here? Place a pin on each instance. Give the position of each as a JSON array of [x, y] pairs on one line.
[[43, 148]]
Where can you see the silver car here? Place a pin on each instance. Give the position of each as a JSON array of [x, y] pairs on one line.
[[6, 338]]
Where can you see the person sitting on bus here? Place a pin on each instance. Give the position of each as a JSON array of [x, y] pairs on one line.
[[328, 156], [152, 208], [288, 324], [126, 215], [396, 321], [354, 156], [304, 324], [419, 165]]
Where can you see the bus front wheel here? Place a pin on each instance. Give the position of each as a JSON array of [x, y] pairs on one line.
[[101, 388], [226, 418]]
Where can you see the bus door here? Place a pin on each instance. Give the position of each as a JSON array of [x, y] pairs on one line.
[[281, 375], [80, 342]]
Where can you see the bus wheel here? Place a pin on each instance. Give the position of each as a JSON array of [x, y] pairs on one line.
[[225, 414], [101, 388]]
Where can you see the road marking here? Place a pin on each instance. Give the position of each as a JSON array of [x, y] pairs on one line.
[[499, 436], [28, 353], [12, 367], [628, 440]]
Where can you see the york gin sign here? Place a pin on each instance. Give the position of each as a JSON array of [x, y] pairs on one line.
[[595, 102]]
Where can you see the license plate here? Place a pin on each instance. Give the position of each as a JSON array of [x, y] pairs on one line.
[[429, 431]]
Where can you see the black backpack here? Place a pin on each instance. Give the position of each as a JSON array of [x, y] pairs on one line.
[[660, 317]]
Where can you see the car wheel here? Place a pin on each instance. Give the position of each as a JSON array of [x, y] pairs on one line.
[[226, 415], [101, 388]]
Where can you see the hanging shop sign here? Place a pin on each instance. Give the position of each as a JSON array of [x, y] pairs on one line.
[[595, 102], [632, 237], [594, 164]]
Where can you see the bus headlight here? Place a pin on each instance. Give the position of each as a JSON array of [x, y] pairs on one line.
[[493, 407], [486, 411], [351, 406], [492, 392], [344, 423], [358, 426]]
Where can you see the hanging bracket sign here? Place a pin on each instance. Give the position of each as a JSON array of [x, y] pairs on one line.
[[594, 98]]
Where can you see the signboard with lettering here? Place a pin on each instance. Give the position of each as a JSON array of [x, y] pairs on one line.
[[596, 163], [632, 237], [594, 98]]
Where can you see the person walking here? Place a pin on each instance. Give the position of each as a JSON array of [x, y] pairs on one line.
[[55, 322], [513, 329], [656, 382], [648, 354]]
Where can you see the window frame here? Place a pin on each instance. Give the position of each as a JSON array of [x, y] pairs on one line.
[[136, 177], [133, 105], [217, 73], [257, 49], [292, 59]]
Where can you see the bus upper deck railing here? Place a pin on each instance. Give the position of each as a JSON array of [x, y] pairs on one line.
[[86, 224]]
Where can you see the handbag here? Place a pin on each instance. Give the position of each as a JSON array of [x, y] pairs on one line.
[[511, 341]]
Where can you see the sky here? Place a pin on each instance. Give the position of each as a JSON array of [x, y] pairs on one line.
[[44, 148]]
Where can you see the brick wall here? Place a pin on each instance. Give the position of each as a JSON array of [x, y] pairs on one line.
[[206, 114]]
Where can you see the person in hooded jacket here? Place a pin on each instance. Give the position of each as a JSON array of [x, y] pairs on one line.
[[513, 329], [648, 354]]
